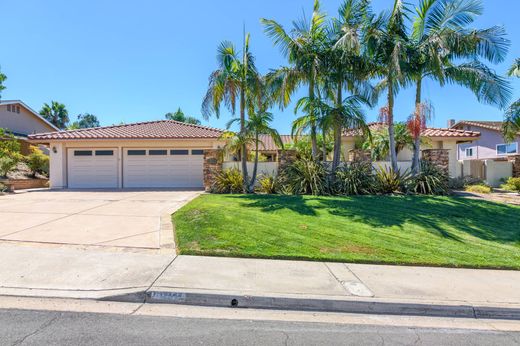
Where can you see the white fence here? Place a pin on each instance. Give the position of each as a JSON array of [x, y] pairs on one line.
[[491, 171]]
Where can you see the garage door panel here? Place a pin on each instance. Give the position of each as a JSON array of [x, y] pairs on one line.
[[172, 170], [97, 170]]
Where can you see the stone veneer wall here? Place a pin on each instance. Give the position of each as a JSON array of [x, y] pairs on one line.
[[359, 155], [212, 166], [515, 160], [438, 157]]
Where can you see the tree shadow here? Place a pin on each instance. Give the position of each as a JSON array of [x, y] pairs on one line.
[[270, 203]]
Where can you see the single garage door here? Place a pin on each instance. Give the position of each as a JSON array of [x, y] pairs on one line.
[[92, 168], [166, 167]]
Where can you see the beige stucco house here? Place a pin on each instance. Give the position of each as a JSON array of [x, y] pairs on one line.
[[22, 121], [155, 154]]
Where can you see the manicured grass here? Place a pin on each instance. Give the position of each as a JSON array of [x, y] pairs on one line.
[[420, 230]]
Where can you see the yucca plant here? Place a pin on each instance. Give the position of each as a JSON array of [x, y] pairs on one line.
[[267, 184], [390, 181], [430, 181], [354, 179], [229, 181], [305, 177]]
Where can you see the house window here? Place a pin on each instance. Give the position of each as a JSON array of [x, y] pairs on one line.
[[8, 108], [18, 109], [507, 149], [136, 152], [179, 152], [158, 152], [197, 152], [469, 152], [82, 152]]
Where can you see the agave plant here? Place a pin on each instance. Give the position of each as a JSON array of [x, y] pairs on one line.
[[355, 179], [305, 177], [228, 181], [430, 180], [389, 180]]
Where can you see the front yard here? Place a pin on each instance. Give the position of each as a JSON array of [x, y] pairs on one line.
[[420, 230]]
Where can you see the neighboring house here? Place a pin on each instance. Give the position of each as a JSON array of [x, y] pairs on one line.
[[436, 138], [155, 154], [22, 121], [490, 145]]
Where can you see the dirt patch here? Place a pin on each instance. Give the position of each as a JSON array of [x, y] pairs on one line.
[[499, 196]]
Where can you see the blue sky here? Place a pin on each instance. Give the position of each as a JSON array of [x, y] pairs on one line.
[[137, 60]]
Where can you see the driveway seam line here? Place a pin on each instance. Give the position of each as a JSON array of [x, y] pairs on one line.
[[158, 276], [357, 277], [337, 279]]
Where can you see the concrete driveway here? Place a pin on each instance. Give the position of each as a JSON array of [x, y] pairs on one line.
[[137, 219]]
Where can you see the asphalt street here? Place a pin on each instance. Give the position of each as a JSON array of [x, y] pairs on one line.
[[30, 327]]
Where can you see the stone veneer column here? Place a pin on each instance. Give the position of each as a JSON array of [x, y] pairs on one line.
[[438, 157], [285, 157], [515, 160], [212, 166]]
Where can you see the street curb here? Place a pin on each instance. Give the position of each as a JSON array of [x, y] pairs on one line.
[[332, 305]]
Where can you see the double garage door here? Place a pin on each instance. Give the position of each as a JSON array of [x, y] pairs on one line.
[[141, 168]]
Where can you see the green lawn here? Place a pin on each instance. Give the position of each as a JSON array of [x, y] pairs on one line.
[[421, 230]]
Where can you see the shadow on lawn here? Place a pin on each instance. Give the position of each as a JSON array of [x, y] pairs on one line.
[[438, 215]]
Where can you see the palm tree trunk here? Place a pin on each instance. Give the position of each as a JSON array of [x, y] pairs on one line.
[[416, 166], [243, 150], [314, 141], [390, 120], [324, 146], [255, 167], [337, 130]]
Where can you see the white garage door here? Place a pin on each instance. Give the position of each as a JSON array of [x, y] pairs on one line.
[[163, 168], [92, 168]]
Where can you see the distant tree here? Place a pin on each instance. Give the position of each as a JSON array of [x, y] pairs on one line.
[[512, 118], [56, 113], [2, 79], [181, 117], [85, 121]]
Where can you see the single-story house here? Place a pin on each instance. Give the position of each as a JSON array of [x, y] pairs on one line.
[[154, 154], [22, 121], [490, 145], [437, 138]]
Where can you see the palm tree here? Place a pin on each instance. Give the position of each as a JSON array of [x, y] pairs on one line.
[[235, 78], [2, 79], [440, 37], [512, 118], [56, 113], [379, 144], [302, 46], [386, 42]]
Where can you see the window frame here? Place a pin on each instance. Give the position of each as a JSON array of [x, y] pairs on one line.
[[179, 152], [472, 152], [83, 153], [197, 152], [105, 152], [136, 152], [158, 152], [515, 144]]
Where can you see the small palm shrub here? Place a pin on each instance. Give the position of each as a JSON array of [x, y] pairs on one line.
[[430, 181], [479, 188], [37, 161], [354, 179], [305, 177], [267, 184], [388, 181], [229, 181]]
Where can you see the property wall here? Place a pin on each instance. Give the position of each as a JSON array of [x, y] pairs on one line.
[[485, 147], [24, 122], [58, 153], [497, 170], [269, 168]]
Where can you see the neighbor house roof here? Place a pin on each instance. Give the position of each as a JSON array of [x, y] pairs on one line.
[[430, 132], [490, 125], [160, 129], [32, 111], [267, 143]]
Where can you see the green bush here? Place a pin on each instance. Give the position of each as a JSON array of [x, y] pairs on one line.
[[3, 188], [267, 184], [430, 180], [9, 152], [356, 178], [37, 161], [512, 184], [305, 177], [478, 188], [229, 181], [389, 181]]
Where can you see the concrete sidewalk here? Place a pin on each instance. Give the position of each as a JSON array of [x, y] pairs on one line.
[[297, 285]]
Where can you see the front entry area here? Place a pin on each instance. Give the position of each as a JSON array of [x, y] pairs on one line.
[[103, 168]]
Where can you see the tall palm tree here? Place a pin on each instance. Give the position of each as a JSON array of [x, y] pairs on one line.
[[302, 46], [512, 118], [379, 143], [56, 113], [385, 40], [3, 77], [235, 78], [443, 49]]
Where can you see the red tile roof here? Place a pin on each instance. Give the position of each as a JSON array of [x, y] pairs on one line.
[[491, 125], [268, 144], [429, 132], [160, 129]]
